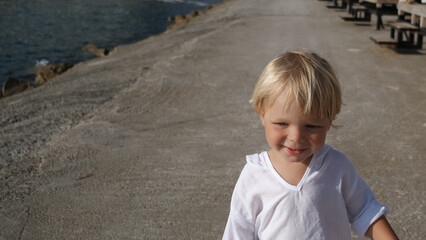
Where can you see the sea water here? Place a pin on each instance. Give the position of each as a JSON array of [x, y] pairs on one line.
[[40, 32]]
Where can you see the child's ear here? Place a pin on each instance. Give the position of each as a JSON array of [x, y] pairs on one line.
[[329, 126], [262, 118]]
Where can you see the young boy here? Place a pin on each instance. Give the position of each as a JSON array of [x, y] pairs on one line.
[[301, 188]]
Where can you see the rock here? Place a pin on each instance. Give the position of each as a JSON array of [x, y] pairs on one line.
[[13, 86], [48, 72], [181, 20], [194, 13], [100, 52]]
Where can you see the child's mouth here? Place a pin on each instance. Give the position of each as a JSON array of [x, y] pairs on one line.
[[294, 151]]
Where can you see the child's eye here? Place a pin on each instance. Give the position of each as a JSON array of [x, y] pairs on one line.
[[281, 124], [312, 126]]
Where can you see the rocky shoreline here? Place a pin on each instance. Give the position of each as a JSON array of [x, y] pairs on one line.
[[12, 86], [28, 119], [181, 20]]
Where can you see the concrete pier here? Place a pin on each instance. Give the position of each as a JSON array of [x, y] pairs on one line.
[[148, 142]]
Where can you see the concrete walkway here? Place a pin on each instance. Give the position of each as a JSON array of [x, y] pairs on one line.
[[147, 143]]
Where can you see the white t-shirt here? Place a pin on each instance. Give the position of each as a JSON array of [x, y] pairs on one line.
[[330, 198]]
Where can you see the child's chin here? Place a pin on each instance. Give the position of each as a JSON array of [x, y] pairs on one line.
[[302, 157]]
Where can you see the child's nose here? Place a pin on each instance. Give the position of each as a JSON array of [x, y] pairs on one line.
[[295, 134]]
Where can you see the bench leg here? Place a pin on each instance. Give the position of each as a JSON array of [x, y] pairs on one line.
[[419, 41], [350, 6], [399, 37], [379, 24], [411, 38]]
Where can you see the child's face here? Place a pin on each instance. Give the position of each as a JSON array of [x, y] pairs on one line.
[[293, 136]]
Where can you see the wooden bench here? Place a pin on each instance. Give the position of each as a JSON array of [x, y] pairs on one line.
[[405, 36], [336, 4], [409, 31], [380, 8], [361, 12], [357, 12], [416, 11]]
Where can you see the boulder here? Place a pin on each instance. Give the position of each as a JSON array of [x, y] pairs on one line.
[[194, 13], [181, 20], [100, 52], [13, 86], [45, 74]]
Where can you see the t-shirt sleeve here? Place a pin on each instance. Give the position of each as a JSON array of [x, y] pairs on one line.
[[361, 203], [238, 227]]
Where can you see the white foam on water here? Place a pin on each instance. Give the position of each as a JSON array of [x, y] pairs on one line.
[[198, 3], [42, 62], [182, 1]]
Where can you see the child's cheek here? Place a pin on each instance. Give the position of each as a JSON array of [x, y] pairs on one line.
[[273, 137], [318, 140]]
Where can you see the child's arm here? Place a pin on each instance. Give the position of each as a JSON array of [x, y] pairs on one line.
[[381, 229]]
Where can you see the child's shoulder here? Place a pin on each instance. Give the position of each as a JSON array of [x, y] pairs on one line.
[[258, 159], [329, 152], [257, 165], [256, 177], [329, 156]]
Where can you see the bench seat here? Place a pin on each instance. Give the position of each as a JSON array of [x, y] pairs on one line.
[[404, 26]]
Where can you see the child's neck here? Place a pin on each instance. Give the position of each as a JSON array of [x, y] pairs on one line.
[[291, 172]]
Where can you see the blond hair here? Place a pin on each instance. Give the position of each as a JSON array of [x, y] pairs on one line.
[[309, 78]]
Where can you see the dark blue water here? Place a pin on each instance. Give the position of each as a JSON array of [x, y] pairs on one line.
[[52, 31]]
